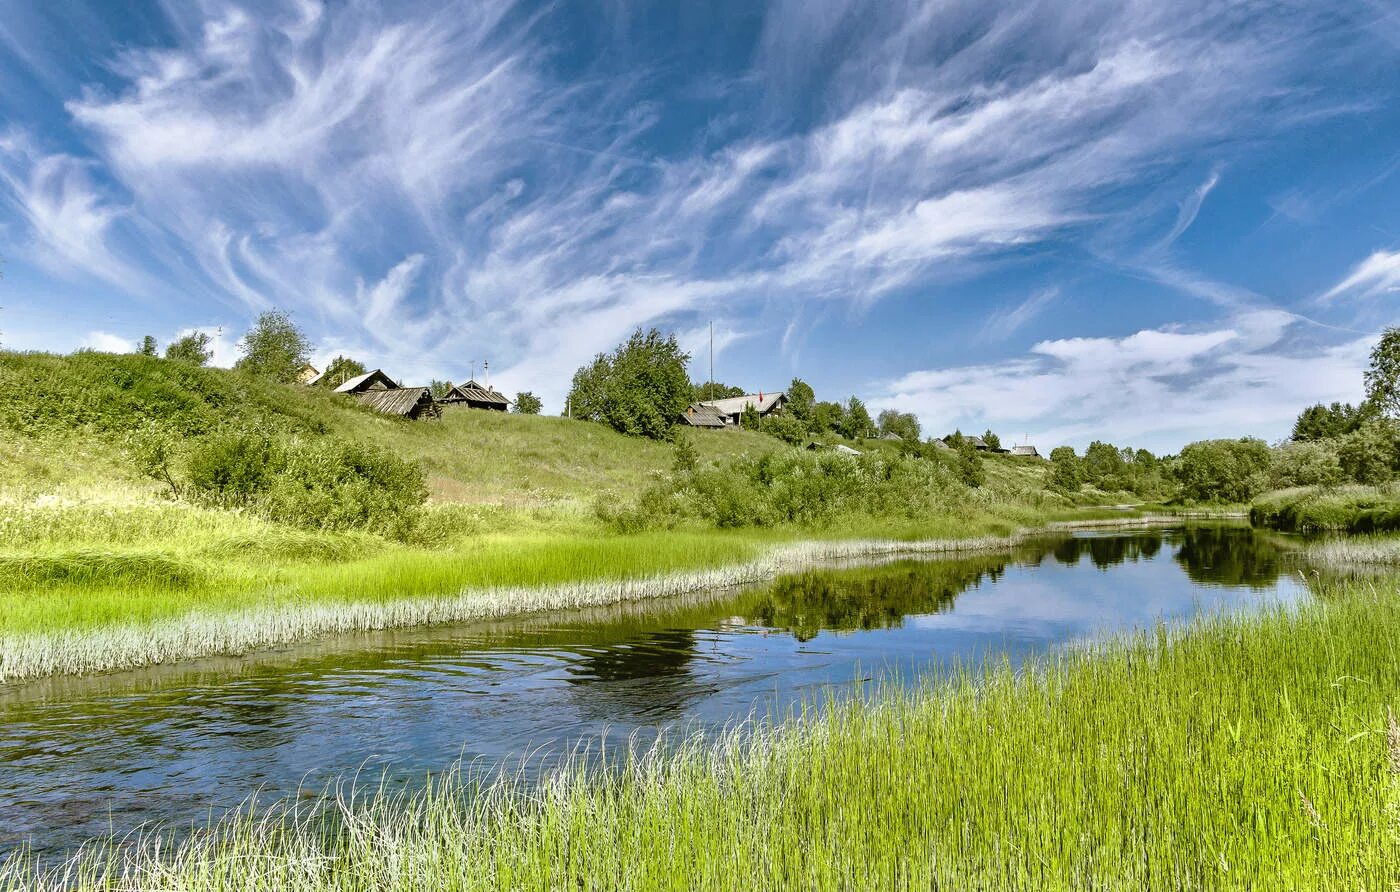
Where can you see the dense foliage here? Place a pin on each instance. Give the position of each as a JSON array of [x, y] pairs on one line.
[[1383, 377], [274, 348], [641, 388], [1222, 470], [193, 348], [526, 403]]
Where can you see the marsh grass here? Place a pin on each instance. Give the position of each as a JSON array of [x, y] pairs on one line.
[[1239, 753]]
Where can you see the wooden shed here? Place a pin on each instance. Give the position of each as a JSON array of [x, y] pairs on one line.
[[700, 415], [404, 402], [375, 380], [475, 396]]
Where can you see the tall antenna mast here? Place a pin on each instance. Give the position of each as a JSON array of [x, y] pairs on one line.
[[710, 391], [486, 374]]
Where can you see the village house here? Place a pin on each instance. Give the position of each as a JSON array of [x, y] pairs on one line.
[[476, 396], [307, 374], [377, 391], [1026, 451], [732, 408]]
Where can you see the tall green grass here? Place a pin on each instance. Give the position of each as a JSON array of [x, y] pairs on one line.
[[1243, 753], [1353, 509]]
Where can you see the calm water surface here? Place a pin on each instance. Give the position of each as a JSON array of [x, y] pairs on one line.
[[80, 757]]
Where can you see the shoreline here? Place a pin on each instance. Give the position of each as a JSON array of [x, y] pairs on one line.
[[195, 636]]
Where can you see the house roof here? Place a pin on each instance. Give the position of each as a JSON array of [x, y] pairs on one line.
[[700, 415], [734, 405], [360, 382], [395, 401], [1025, 450], [474, 392], [844, 449], [978, 443], [314, 379]]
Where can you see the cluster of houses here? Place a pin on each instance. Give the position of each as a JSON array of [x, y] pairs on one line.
[[381, 393]]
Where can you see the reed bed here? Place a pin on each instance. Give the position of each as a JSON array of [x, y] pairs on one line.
[[381, 600], [1255, 752], [1356, 551]]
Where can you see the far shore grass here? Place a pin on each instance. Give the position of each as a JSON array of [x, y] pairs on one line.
[[1243, 752]]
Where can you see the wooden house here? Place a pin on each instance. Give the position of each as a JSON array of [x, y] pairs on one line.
[[1026, 451], [732, 408], [476, 396], [375, 380], [307, 374], [404, 402], [700, 415]]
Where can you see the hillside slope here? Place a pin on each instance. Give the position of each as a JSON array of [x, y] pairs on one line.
[[64, 421]]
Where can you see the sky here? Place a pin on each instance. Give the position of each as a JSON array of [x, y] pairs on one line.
[[1142, 222]]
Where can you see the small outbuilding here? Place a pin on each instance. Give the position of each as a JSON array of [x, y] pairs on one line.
[[701, 415], [404, 402], [476, 396], [1026, 451]]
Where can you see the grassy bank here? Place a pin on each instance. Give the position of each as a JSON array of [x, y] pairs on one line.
[[1351, 509], [1242, 753]]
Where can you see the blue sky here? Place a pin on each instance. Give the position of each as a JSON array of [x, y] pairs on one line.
[[1141, 221]]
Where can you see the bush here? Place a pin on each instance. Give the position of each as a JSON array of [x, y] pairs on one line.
[[798, 487], [641, 388], [1222, 470], [970, 467], [1305, 464], [228, 469]]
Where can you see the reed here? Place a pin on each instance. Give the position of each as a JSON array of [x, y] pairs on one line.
[[1238, 753]]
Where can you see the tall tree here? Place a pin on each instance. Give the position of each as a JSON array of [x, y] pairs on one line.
[[192, 348], [439, 389], [902, 424], [1321, 422], [857, 423], [148, 346], [526, 403], [802, 400], [827, 416], [715, 390], [1065, 473], [1383, 377], [340, 370], [992, 440], [641, 388], [274, 349]]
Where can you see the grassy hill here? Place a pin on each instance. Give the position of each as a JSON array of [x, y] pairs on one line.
[[64, 421]]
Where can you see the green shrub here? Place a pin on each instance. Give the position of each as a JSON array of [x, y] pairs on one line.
[[337, 485], [228, 469], [1222, 470]]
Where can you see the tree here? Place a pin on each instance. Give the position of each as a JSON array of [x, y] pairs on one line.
[[714, 390], [526, 403], [802, 400], [148, 346], [1321, 422], [1383, 377], [1305, 463], [340, 370], [902, 424], [826, 417], [970, 467], [439, 389], [192, 348], [749, 419], [1065, 473], [641, 388], [786, 428], [992, 440], [1221, 470], [1371, 453], [686, 458], [274, 349], [856, 423], [1104, 467]]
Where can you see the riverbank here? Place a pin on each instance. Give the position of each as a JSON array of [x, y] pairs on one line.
[[1241, 752], [76, 627]]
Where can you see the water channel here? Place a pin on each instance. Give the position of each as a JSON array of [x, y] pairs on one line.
[[83, 757]]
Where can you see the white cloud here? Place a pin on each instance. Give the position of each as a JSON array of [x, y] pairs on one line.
[[106, 342], [1377, 274], [1004, 322], [1158, 388]]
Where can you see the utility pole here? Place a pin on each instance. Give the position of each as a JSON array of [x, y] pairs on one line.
[[710, 390]]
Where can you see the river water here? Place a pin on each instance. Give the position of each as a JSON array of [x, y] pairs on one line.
[[83, 757]]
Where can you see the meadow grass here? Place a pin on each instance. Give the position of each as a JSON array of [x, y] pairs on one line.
[[1243, 752], [1353, 509]]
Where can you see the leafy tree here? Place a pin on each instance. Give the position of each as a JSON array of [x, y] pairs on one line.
[[1383, 377], [1065, 473], [1321, 422], [857, 424], [902, 424], [686, 459], [826, 417], [1104, 467], [192, 348], [274, 349], [992, 440], [1221, 470], [340, 370], [714, 390], [786, 428], [1305, 463], [439, 389], [641, 388], [526, 403], [802, 400], [956, 439], [148, 346], [1371, 453], [970, 467], [749, 419]]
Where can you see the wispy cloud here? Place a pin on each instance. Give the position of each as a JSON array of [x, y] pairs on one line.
[[1006, 321], [1377, 274]]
